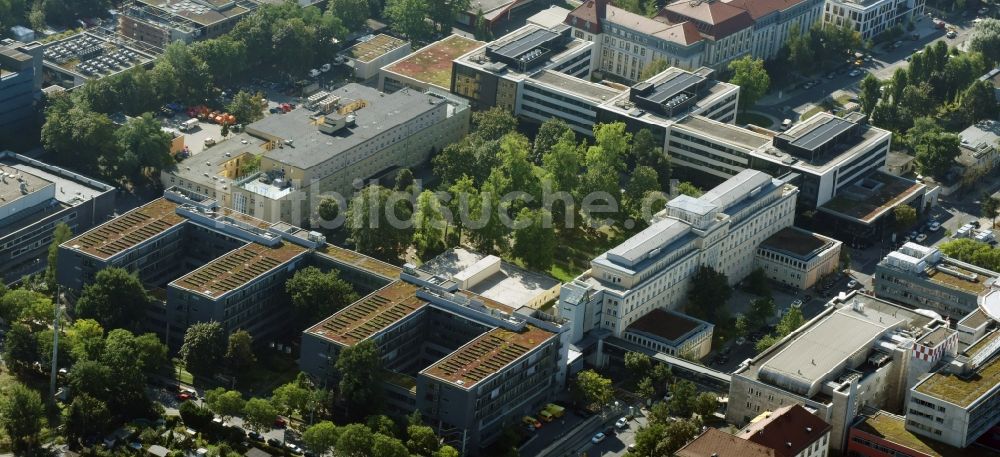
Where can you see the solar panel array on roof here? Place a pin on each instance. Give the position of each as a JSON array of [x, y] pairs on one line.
[[129, 229], [485, 356], [238, 268], [681, 82], [373, 313], [821, 134], [524, 43]]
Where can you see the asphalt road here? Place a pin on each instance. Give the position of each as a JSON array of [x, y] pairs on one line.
[[790, 102]]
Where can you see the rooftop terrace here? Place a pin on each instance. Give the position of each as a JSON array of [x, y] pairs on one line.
[[486, 355], [237, 268], [872, 197], [432, 63], [128, 230], [667, 325], [962, 391], [360, 261], [974, 286], [378, 46], [797, 242], [893, 428], [371, 314]]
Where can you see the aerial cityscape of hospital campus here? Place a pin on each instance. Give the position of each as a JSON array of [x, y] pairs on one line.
[[498, 228]]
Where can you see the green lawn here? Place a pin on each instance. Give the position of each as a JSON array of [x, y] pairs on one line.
[[811, 112], [757, 119]]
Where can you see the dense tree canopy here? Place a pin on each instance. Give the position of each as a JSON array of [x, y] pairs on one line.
[[204, 347], [316, 294], [116, 299], [750, 75]]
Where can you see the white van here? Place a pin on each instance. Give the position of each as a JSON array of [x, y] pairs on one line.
[[188, 125], [785, 124]]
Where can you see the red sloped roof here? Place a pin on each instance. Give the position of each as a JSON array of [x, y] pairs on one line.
[[588, 16], [761, 8]]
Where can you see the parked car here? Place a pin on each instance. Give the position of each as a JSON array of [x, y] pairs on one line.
[[280, 423], [852, 284], [621, 423], [854, 73], [797, 304], [528, 420], [325, 68], [600, 436], [741, 341], [183, 396], [951, 34], [255, 436], [274, 442], [313, 73], [920, 238], [934, 226]]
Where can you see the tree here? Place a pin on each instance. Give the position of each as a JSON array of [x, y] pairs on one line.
[[239, 351], [115, 299], [677, 434], [989, 208], [446, 451], [535, 239], [653, 68], [643, 184], [290, 397], [20, 347], [355, 441], [125, 388], [870, 93], [225, 403], [707, 295], [379, 222], [604, 162], [494, 123], [328, 209], [226, 58], [791, 321], [197, 417], [488, 233], [321, 437], [90, 377], [935, 150], [380, 423], [422, 440], [638, 363], [742, 325], [706, 404], [682, 401], [360, 368], [985, 39], [429, 224], [143, 145], [316, 295], [646, 150], [151, 352], [561, 168], [766, 342], [757, 283], [87, 338], [60, 235], [21, 416], [404, 180], [77, 135], [750, 75], [761, 309], [463, 196], [905, 216], [444, 12], [25, 305], [259, 414], [979, 102], [204, 347], [84, 417], [192, 80], [352, 13], [388, 446], [644, 388], [594, 389], [291, 41], [247, 107], [686, 188], [550, 132], [408, 17]]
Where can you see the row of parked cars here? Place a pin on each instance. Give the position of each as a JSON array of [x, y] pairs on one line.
[[549, 413]]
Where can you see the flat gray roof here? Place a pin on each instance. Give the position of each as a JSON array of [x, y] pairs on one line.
[[816, 134], [730, 133], [596, 92], [692, 205], [210, 160], [634, 249], [836, 340], [312, 147], [512, 286], [737, 188]]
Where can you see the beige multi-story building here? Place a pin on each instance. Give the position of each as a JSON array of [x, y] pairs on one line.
[[859, 352], [798, 258], [721, 229], [329, 145], [689, 34]]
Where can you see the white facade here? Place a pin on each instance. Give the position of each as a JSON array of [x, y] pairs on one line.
[[871, 18], [720, 230]]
